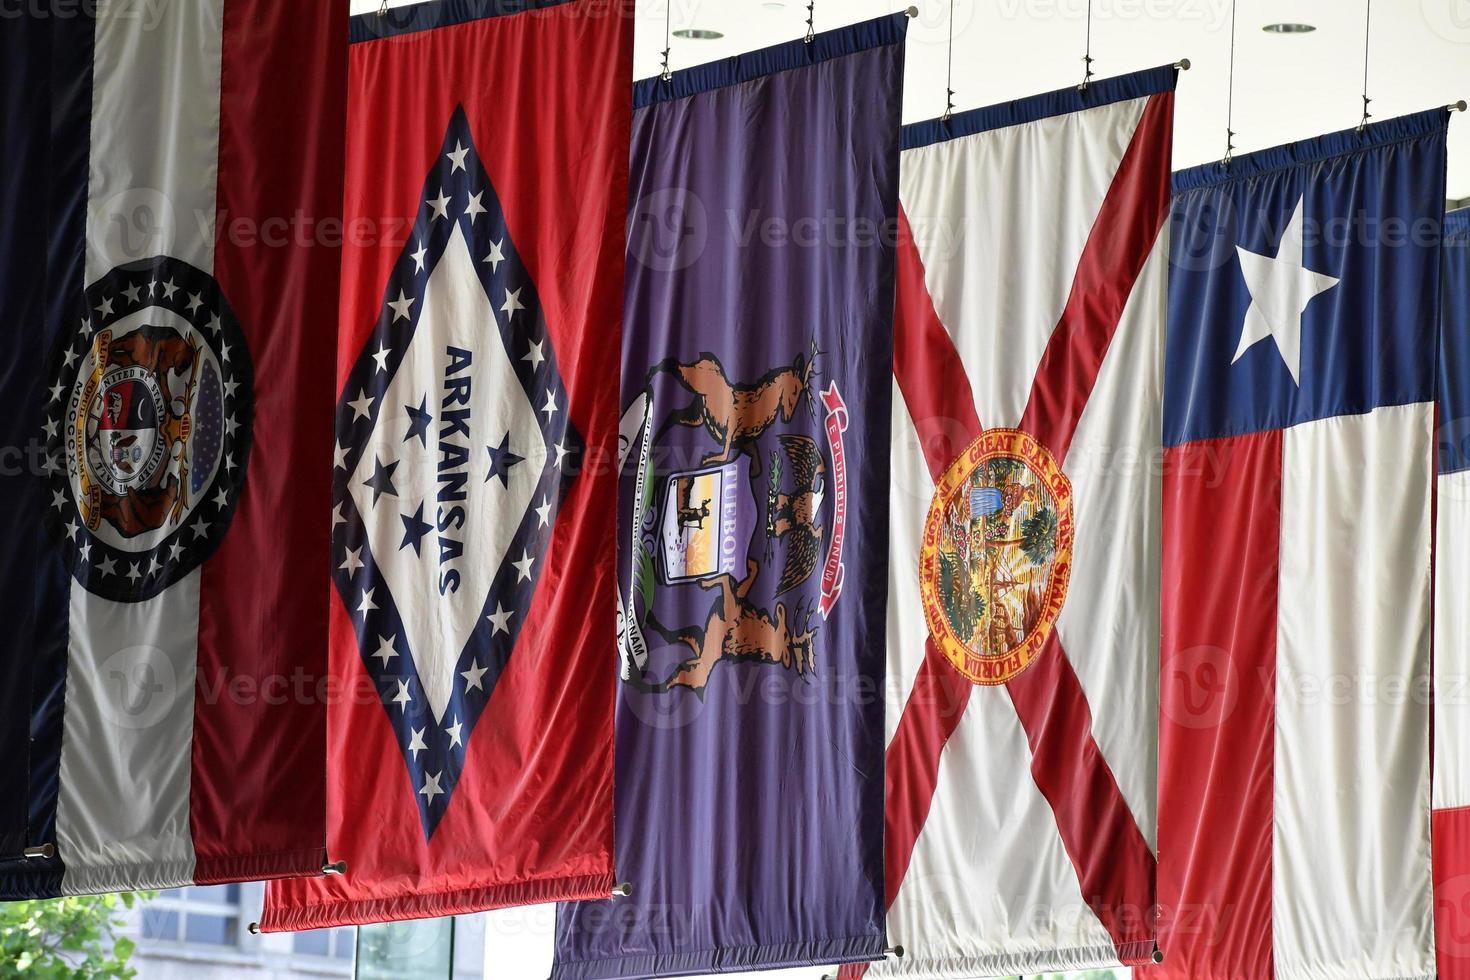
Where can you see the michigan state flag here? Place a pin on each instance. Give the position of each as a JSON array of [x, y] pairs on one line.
[[753, 503]]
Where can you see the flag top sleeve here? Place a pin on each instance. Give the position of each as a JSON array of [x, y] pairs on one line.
[[752, 538], [1022, 633], [176, 634], [1451, 627], [1300, 392], [472, 589]]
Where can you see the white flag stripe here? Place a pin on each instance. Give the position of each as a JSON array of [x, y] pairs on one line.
[[122, 817], [1451, 640], [123, 814], [1110, 625], [996, 252], [1350, 864]]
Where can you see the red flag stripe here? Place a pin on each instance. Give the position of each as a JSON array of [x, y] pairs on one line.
[[258, 797], [1122, 237], [1217, 724], [1115, 867], [935, 384]]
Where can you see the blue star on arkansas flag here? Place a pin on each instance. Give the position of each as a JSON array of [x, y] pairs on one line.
[[449, 463]]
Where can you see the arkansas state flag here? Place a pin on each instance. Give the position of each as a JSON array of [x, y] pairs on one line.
[[169, 265], [1452, 614], [1023, 591], [472, 563], [1294, 792], [753, 527]]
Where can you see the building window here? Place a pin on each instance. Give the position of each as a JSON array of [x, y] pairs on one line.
[[334, 943], [201, 915]]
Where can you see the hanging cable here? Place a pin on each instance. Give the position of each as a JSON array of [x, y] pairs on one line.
[[1087, 55], [811, 21], [383, 9], [668, 38], [1367, 34], [1230, 96], [949, 72]]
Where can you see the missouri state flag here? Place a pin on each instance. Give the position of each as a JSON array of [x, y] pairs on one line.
[[1023, 584], [169, 263], [1299, 420], [1451, 791], [472, 613], [753, 504]]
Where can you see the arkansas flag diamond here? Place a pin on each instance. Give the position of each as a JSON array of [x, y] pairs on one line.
[[454, 452]]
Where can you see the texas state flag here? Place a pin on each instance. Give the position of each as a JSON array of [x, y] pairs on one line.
[[1299, 426], [470, 756]]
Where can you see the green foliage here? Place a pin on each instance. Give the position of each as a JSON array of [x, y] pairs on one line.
[[66, 938], [962, 607], [644, 581], [1003, 469], [1039, 536]]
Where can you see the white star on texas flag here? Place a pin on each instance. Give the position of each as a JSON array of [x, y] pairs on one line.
[[1280, 288]]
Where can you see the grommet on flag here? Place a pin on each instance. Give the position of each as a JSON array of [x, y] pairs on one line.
[[46, 851], [334, 868], [622, 889]]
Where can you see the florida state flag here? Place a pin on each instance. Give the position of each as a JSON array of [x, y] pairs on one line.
[[473, 613], [1023, 587]]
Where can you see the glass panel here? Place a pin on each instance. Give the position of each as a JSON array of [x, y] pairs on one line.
[[346, 944], [317, 942], [212, 930], [158, 924], [419, 950], [215, 894]]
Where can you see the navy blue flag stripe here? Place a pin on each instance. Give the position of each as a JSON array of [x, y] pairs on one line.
[[58, 62], [414, 17], [1454, 358]]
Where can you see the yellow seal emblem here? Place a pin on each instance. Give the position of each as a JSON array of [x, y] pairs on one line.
[[996, 555]]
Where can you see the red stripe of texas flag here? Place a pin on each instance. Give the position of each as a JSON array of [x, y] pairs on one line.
[[1217, 727]]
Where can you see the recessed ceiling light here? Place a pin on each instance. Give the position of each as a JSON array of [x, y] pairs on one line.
[[1289, 28], [774, 4], [698, 34]]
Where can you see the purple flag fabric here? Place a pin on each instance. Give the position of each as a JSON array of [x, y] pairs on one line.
[[756, 394]]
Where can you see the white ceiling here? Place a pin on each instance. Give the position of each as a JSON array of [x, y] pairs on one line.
[[1287, 87]]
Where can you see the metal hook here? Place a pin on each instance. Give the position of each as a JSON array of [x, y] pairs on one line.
[[1087, 74], [1363, 123], [622, 889], [811, 21], [383, 9], [46, 851]]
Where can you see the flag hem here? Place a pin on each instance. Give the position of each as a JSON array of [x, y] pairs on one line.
[[50, 879], [1061, 102], [800, 53], [726, 959], [1075, 958], [430, 905]]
